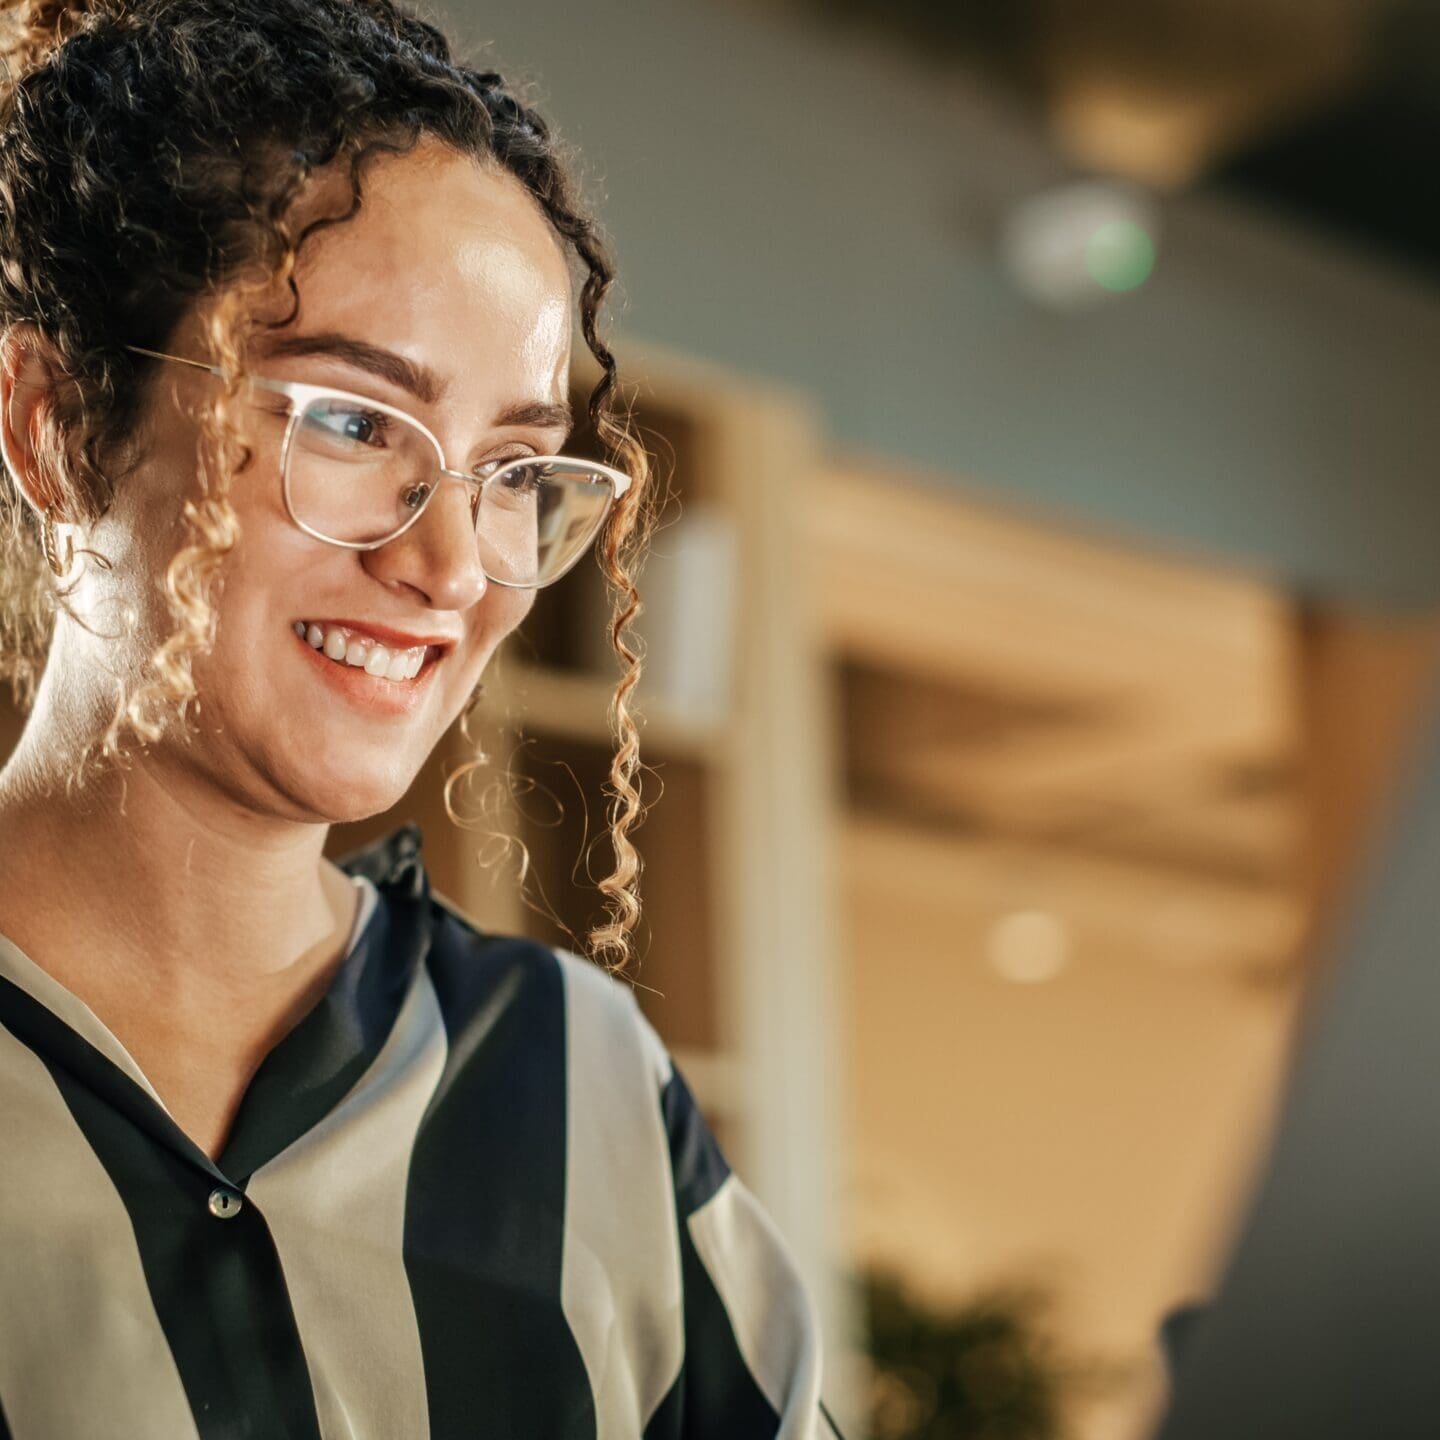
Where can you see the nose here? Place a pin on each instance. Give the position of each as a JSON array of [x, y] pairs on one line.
[[438, 555]]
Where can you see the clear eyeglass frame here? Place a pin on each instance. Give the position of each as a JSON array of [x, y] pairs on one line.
[[301, 395]]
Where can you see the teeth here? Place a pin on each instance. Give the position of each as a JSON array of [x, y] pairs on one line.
[[361, 651]]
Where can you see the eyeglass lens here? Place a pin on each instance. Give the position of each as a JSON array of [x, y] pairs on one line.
[[357, 475]]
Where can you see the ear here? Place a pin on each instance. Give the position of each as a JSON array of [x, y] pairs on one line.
[[29, 375]]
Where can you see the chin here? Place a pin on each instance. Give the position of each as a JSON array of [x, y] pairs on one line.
[[351, 804], [340, 799], [351, 811]]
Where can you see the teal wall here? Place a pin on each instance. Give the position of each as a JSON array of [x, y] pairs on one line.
[[814, 208]]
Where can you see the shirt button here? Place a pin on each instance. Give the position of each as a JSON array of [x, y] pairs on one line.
[[224, 1204]]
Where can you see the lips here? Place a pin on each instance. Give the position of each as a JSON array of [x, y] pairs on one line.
[[357, 664], [389, 636]]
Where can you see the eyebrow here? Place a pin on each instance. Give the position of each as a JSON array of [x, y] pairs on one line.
[[409, 375]]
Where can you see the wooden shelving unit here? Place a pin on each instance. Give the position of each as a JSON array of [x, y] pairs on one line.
[[1068, 859]]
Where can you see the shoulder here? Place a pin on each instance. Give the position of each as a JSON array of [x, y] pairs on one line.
[[566, 1024], [605, 1028]]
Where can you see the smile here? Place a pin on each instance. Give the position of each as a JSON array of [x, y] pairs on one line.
[[362, 652]]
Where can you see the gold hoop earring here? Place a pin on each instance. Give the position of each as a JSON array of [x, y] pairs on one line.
[[59, 564]]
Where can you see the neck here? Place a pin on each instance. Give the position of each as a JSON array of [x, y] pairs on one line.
[[156, 885]]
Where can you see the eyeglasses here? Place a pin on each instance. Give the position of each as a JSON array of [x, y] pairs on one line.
[[358, 473]]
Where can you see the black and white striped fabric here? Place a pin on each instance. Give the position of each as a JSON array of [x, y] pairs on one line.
[[469, 1195]]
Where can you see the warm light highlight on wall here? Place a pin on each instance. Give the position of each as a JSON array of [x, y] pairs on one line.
[[1028, 947]]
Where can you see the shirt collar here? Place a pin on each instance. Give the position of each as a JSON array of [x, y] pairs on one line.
[[393, 862]]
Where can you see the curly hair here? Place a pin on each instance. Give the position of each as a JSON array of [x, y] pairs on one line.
[[150, 153]]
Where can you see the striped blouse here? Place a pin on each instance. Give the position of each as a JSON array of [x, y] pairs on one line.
[[468, 1195]]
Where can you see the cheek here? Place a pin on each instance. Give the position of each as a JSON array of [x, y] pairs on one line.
[[517, 604], [123, 593], [255, 488], [499, 613], [498, 616], [149, 517]]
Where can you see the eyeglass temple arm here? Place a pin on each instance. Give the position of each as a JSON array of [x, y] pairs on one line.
[[201, 365], [178, 359]]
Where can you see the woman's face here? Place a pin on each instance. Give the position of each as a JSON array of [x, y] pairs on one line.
[[453, 268]]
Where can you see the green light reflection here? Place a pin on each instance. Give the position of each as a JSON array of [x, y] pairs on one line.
[[1120, 255]]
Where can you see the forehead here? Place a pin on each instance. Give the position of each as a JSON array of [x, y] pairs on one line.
[[449, 261]]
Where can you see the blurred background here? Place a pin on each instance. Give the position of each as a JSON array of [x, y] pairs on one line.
[[1047, 392]]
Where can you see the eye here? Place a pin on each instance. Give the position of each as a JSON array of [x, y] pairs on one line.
[[485, 471], [343, 423]]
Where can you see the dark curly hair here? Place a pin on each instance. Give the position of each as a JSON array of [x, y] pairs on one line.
[[150, 152]]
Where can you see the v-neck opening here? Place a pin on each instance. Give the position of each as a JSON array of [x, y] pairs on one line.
[[319, 1058], [309, 1070]]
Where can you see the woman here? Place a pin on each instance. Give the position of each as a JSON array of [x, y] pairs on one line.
[[291, 1148]]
